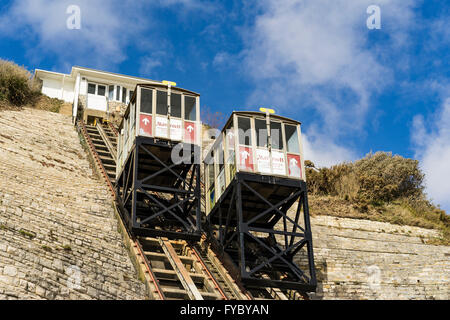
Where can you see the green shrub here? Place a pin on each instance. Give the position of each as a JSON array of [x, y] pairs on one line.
[[16, 85], [375, 179]]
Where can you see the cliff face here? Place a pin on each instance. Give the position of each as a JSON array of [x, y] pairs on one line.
[[58, 233], [361, 259], [59, 239]]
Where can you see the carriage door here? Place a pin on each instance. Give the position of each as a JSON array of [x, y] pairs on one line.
[[262, 147], [293, 151], [176, 124], [190, 119], [245, 162], [161, 119], [277, 149]]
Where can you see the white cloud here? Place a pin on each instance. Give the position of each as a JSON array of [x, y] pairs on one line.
[[323, 152], [149, 63], [223, 60], [183, 5], [433, 151], [107, 27], [314, 55]]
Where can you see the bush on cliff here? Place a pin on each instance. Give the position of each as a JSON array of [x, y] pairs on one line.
[[377, 178], [381, 183], [18, 89], [16, 85]]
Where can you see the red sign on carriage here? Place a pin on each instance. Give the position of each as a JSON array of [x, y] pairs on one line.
[[145, 125], [189, 132], [245, 159], [295, 166]]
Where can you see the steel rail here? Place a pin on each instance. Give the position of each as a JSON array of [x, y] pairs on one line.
[[137, 243], [96, 157], [210, 276]]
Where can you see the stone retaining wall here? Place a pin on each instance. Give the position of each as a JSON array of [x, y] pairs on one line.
[[59, 238], [361, 259], [58, 233]]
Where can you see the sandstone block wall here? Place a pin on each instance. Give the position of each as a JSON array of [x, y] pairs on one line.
[[360, 259], [58, 233], [59, 239]]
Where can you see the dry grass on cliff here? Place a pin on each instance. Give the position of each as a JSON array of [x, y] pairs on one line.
[[18, 89], [380, 187]]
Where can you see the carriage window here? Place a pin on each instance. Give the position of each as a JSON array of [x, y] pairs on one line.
[[133, 115], [276, 136], [211, 175], [220, 156], [245, 134], [229, 134], [124, 95], [91, 88], [261, 133], [190, 112], [175, 105], [111, 92], [146, 101], [292, 139], [101, 90], [161, 102]]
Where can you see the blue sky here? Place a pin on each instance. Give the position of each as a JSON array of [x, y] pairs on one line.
[[355, 90]]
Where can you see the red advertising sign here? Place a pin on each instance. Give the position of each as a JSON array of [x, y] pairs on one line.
[[245, 159], [189, 132], [295, 166], [145, 125]]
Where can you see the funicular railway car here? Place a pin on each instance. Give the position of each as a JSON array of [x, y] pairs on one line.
[[157, 177], [256, 194]]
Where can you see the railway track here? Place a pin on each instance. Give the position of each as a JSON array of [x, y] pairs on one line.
[[177, 270]]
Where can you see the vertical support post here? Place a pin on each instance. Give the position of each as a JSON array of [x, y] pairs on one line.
[[308, 236], [240, 218], [198, 195], [220, 225], [134, 184], [75, 100]]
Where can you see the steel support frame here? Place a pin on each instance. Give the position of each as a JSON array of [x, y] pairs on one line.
[[184, 205], [235, 231]]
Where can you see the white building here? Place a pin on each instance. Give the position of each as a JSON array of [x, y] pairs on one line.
[[93, 93]]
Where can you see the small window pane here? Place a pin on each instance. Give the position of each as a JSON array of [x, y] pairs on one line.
[[229, 134], [118, 93], [101, 90], [245, 136], [161, 102], [133, 115], [261, 133], [124, 95], [220, 155], [276, 135], [111, 92], [190, 111], [175, 105], [131, 94], [211, 175], [91, 88], [292, 139], [146, 101]]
